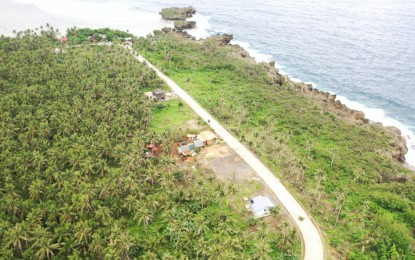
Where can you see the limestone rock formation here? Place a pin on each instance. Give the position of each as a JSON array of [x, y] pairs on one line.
[[184, 25], [177, 13], [274, 76]]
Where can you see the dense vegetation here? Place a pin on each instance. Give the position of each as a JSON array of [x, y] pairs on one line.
[[80, 35], [74, 183], [363, 199]]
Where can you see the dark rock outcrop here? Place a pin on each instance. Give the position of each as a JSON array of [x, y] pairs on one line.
[[166, 29], [358, 115], [184, 25], [398, 143], [222, 39], [273, 75]]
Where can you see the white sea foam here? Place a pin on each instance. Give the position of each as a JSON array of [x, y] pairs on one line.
[[63, 14], [202, 26], [378, 115], [295, 79], [259, 56], [373, 114]]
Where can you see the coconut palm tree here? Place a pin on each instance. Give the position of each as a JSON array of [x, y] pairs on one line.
[[16, 236]]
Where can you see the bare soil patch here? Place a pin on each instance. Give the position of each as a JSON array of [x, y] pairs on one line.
[[229, 166]]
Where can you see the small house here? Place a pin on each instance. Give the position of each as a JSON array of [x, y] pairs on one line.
[[159, 94], [191, 137], [187, 150], [261, 206], [102, 37], [63, 39], [198, 143], [151, 150], [92, 38], [207, 137], [128, 41]]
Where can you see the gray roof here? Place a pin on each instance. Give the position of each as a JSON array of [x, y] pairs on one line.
[[158, 92], [199, 143], [260, 202], [184, 148]]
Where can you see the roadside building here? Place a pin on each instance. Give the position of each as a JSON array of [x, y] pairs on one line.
[[207, 137], [187, 150], [198, 144], [159, 94], [102, 37], [191, 137], [92, 38], [151, 150], [260, 206], [63, 39], [128, 41]]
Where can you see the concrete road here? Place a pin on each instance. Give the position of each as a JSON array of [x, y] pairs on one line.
[[312, 239]]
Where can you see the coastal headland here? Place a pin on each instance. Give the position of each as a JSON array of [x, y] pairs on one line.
[[346, 170]]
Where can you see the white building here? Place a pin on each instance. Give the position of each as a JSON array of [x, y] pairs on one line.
[[261, 206]]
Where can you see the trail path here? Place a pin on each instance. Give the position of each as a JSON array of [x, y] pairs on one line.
[[312, 240]]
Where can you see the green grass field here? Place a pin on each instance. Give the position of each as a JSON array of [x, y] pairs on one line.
[[171, 115]]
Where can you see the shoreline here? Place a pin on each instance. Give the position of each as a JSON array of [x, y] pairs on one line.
[[360, 118], [349, 113], [328, 101], [297, 137], [407, 159]]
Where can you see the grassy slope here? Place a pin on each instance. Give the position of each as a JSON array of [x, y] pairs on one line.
[[364, 212]]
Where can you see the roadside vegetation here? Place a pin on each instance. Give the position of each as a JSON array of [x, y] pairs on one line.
[[363, 199], [74, 183]]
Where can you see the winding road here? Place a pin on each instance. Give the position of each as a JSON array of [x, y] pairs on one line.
[[313, 245]]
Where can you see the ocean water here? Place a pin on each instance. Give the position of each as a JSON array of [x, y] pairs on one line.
[[361, 50]]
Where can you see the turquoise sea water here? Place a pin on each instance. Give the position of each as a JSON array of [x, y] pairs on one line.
[[361, 50]]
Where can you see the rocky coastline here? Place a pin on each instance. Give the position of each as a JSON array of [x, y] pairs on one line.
[[184, 25], [327, 101]]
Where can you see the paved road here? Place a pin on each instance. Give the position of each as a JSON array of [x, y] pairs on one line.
[[312, 240]]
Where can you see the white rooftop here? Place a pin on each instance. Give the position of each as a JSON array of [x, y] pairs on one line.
[[260, 202]]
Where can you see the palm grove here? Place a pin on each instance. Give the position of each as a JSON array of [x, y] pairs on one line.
[[74, 183]]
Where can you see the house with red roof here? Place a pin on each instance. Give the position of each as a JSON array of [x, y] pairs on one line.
[[63, 39]]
